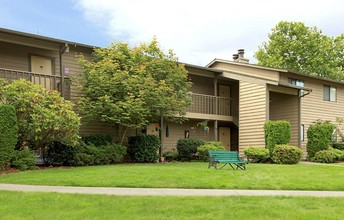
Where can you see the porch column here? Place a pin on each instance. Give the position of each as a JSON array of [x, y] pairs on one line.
[[216, 136]]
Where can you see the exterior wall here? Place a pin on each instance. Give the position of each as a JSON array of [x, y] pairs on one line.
[[252, 114], [286, 107], [17, 57], [202, 85]]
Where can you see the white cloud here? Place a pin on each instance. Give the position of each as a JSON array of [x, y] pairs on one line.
[[199, 31]]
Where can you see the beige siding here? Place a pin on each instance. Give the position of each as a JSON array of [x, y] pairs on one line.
[[202, 85], [313, 106], [252, 114], [285, 107]]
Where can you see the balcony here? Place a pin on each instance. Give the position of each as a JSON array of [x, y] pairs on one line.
[[49, 82], [212, 107]]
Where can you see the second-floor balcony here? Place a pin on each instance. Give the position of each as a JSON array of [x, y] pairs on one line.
[[49, 82], [212, 107]]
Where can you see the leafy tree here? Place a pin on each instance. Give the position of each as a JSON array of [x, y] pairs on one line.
[[128, 87], [43, 117], [297, 47]]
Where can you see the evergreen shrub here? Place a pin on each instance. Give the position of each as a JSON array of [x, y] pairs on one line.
[[202, 150], [319, 137], [276, 132], [143, 148], [257, 154], [187, 147], [286, 154], [8, 134], [23, 160], [324, 156]]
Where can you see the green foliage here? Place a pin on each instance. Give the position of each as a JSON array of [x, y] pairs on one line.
[[171, 155], [143, 148], [286, 154], [23, 160], [338, 154], [319, 137], [324, 156], [8, 134], [43, 117], [257, 154], [202, 150], [297, 47], [339, 145], [58, 154], [87, 155], [127, 87], [276, 132], [187, 147], [97, 139]]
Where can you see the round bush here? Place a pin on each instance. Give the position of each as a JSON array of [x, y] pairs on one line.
[[144, 148], [257, 154], [187, 147], [286, 154], [324, 156], [202, 151], [58, 153]]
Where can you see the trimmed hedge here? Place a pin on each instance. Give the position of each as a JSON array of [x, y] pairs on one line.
[[23, 160], [187, 147], [324, 156], [276, 132], [319, 137], [339, 145], [8, 134], [286, 154], [257, 154], [143, 148], [59, 154], [202, 151]]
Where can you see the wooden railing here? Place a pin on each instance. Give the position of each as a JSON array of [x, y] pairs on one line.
[[213, 105], [49, 82]]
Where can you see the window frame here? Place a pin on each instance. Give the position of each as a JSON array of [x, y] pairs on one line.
[[329, 96]]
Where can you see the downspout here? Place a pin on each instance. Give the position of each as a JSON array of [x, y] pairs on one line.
[[64, 48], [299, 112]]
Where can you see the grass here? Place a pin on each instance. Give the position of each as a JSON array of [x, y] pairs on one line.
[[15, 205], [188, 175]]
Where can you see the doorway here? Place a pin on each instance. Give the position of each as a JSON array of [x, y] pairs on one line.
[[225, 137]]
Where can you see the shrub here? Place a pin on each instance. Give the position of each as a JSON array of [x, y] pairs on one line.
[[8, 134], [324, 156], [143, 148], [58, 153], [319, 137], [338, 154], [339, 145], [23, 160], [202, 150], [276, 132], [114, 152], [286, 154], [257, 154], [97, 139], [170, 155], [187, 147]]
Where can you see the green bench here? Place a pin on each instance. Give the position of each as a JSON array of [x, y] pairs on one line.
[[227, 157]]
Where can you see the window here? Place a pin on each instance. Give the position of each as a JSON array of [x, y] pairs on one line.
[[302, 136], [330, 93], [297, 82]]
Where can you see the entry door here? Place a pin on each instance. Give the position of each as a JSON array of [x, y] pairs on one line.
[[224, 104], [43, 66], [225, 137]]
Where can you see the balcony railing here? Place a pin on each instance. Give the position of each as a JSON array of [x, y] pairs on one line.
[[49, 82], [213, 105]]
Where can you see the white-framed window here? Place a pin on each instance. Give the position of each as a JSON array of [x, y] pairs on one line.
[[302, 133], [330, 93], [297, 82]]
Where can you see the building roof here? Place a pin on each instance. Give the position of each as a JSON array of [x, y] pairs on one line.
[[40, 37]]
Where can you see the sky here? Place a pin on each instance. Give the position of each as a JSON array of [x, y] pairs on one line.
[[198, 31]]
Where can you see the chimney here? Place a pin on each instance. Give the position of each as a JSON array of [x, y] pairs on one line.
[[240, 56]]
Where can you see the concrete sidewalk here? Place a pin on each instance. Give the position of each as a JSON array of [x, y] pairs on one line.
[[166, 192]]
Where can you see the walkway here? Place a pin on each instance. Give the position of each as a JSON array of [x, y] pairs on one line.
[[166, 192]]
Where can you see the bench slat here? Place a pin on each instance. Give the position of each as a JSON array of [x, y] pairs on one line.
[[227, 157]]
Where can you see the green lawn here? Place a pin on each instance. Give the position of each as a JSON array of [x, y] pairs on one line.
[[189, 175], [15, 205]]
